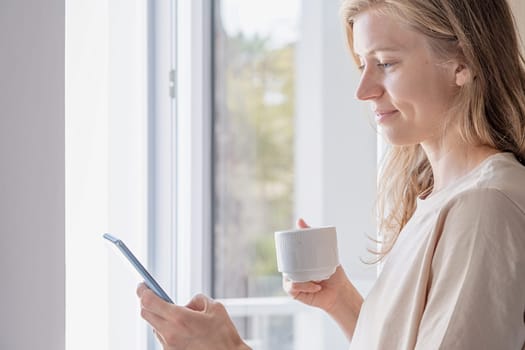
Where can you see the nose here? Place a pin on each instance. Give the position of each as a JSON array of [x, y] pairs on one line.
[[369, 87]]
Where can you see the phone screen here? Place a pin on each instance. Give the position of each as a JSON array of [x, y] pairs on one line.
[[148, 279]]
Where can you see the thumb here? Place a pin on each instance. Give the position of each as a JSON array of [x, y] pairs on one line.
[[301, 223], [199, 303]]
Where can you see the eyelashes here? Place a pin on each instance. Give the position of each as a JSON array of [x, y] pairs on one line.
[[385, 65], [382, 65]]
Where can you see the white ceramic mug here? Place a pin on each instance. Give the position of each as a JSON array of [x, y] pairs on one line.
[[308, 254]]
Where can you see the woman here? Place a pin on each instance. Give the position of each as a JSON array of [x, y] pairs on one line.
[[447, 84]]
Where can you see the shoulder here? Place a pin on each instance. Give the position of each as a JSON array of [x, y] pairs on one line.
[[487, 215], [482, 231], [487, 200], [496, 188], [502, 173]]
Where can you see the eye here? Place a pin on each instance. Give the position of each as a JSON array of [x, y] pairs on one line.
[[385, 65]]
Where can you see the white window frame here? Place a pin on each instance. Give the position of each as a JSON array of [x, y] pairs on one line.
[[192, 149]]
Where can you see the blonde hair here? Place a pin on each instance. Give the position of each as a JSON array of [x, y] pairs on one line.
[[491, 107]]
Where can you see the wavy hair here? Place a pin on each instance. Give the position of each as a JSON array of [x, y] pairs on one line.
[[490, 108]]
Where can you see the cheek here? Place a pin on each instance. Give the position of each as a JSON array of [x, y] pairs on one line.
[[421, 94], [405, 93]]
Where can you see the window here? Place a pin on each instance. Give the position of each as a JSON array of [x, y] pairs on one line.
[[193, 136], [285, 144], [328, 140]]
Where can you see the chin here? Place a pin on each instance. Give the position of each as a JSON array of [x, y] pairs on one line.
[[397, 138]]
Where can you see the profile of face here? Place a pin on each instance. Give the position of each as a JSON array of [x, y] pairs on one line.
[[410, 88]]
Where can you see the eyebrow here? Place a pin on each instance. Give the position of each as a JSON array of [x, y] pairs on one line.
[[379, 49]]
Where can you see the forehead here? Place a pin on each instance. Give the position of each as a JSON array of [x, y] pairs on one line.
[[374, 31]]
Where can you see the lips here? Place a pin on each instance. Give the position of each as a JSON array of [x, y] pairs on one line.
[[382, 115]]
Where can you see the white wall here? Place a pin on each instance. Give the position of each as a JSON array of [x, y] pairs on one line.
[[335, 141], [32, 175], [335, 161]]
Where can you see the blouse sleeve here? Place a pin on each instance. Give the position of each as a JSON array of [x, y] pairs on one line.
[[476, 292]]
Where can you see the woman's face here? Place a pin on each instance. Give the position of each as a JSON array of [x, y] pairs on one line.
[[410, 89]]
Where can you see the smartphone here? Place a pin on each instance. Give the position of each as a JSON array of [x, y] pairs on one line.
[[148, 279]]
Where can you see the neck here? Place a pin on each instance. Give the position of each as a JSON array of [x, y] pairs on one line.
[[452, 160]]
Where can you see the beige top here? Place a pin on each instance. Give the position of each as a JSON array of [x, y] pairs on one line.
[[455, 279]]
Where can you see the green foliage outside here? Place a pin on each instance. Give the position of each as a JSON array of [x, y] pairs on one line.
[[254, 131]]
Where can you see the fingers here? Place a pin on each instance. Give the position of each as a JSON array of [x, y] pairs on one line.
[[294, 288], [165, 311], [141, 288], [156, 305], [301, 223], [203, 323], [201, 305], [167, 331], [150, 301], [153, 319], [166, 319]]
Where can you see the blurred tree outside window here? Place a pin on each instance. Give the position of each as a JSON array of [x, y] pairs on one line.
[[253, 146]]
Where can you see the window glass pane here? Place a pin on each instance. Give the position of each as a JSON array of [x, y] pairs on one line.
[[254, 48]]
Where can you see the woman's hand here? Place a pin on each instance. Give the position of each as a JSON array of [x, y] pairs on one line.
[[335, 295], [202, 324]]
